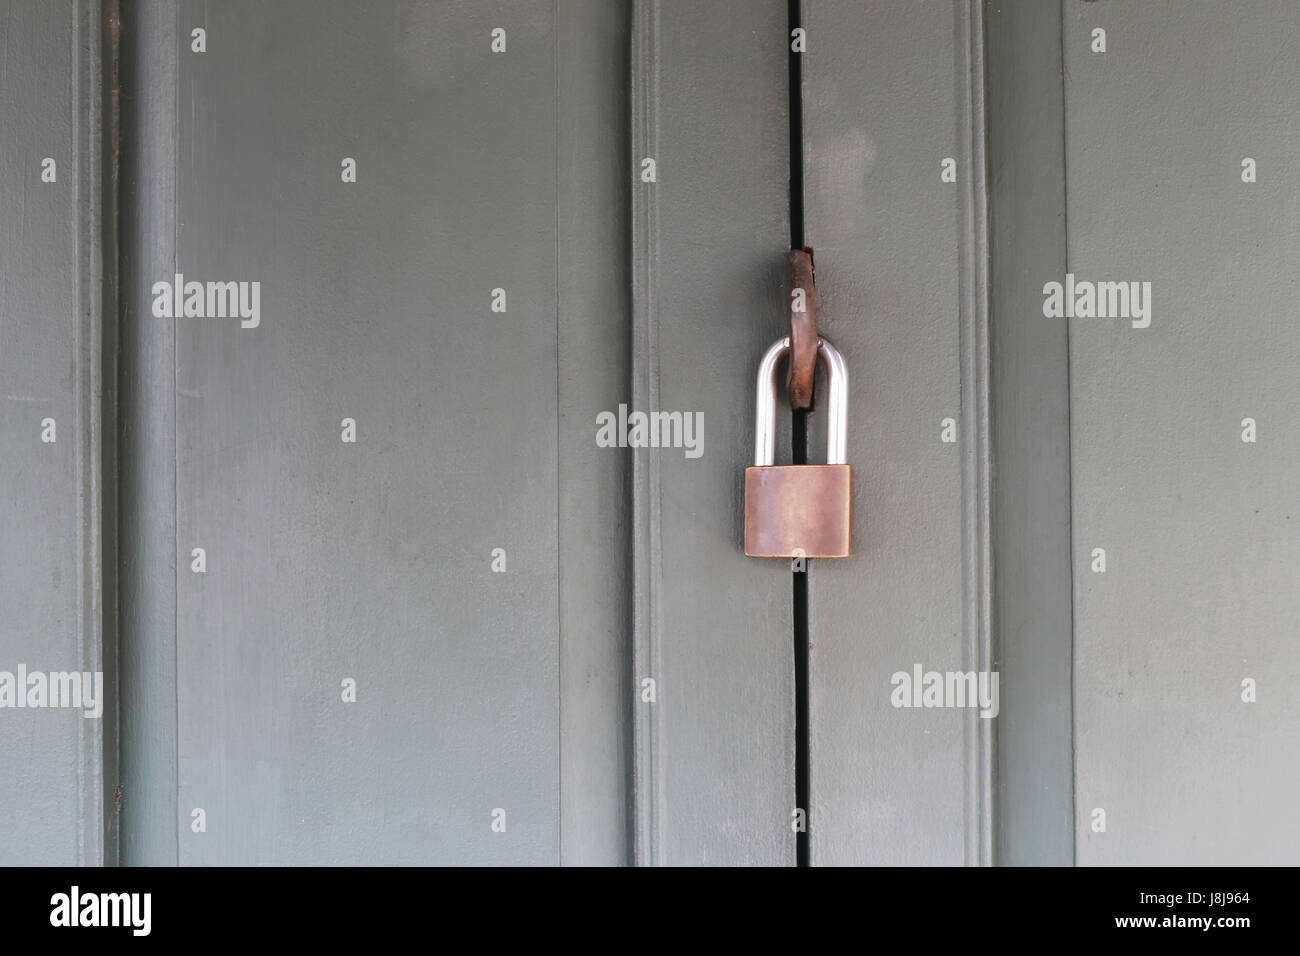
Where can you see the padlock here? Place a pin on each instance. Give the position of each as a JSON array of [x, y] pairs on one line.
[[800, 510]]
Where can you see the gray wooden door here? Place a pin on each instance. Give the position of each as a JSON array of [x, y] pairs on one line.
[[368, 665], [1184, 447], [363, 582]]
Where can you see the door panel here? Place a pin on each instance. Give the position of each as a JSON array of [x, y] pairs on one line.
[[1198, 526], [715, 753], [330, 560], [420, 560], [53, 620], [888, 97]]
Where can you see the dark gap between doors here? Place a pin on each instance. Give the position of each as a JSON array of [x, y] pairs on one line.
[[799, 456]]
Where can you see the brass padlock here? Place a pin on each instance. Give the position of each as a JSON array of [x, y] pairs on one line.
[[796, 511]]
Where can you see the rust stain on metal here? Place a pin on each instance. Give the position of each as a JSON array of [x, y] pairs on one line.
[[802, 365]]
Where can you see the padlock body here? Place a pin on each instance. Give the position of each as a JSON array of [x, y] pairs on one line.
[[799, 510]]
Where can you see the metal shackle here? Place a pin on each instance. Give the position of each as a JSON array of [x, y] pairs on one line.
[[837, 402]]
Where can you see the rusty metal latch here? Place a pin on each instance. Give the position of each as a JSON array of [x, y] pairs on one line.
[[801, 375]]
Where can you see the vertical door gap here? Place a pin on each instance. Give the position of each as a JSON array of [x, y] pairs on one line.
[[799, 456]]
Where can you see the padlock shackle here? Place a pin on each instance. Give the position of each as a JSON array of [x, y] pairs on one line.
[[837, 401]]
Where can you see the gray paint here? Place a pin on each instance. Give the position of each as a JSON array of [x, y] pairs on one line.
[[323, 566], [147, 438], [328, 560], [715, 758], [594, 316], [370, 561], [889, 91], [1199, 528], [52, 607], [476, 430], [1031, 437]]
